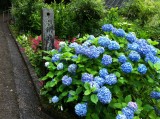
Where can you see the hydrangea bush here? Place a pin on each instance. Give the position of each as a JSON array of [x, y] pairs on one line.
[[115, 75]]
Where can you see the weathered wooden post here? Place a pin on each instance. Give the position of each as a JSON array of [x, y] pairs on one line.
[[48, 31]]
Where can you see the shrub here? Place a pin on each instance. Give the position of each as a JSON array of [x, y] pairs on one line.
[[144, 13], [101, 76]]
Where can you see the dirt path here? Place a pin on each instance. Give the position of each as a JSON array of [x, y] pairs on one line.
[[18, 99]]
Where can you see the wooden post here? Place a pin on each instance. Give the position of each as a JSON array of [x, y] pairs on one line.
[[48, 31]]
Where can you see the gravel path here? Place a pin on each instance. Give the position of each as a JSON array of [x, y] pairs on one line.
[[18, 98]]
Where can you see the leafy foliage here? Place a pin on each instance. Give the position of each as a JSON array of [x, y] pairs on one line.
[[106, 99]]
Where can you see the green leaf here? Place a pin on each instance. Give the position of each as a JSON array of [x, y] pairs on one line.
[[117, 105], [44, 78], [150, 80], [87, 86], [147, 107], [60, 89], [72, 92], [157, 66], [47, 58], [94, 98], [71, 99], [139, 102], [78, 90], [128, 98], [117, 74], [91, 71], [50, 74], [87, 92], [151, 64]]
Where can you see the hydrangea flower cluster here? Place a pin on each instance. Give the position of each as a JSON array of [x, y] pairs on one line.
[[103, 72], [111, 79], [104, 95], [141, 46], [106, 60], [113, 46], [119, 32], [126, 67], [60, 66], [155, 95], [94, 84], [54, 99], [134, 56], [87, 77], [131, 37], [87, 50], [56, 57], [107, 27], [128, 112], [142, 69], [66, 80], [100, 81], [104, 41], [81, 109], [122, 59], [72, 68]]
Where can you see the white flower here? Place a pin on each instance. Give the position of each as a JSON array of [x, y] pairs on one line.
[[46, 64], [62, 44]]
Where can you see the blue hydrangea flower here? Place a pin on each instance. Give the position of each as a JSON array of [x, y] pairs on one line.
[[107, 27], [104, 41], [119, 32], [60, 66], [54, 99], [155, 95], [121, 116], [103, 72], [134, 56], [100, 49], [131, 37], [56, 57], [133, 106], [111, 79], [126, 67], [99, 80], [143, 47], [142, 69], [104, 95], [91, 37], [72, 68], [152, 58], [153, 50], [122, 59], [113, 46], [87, 77], [92, 52], [133, 46], [128, 112], [106, 60], [66, 80], [87, 43], [81, 109], [94, 84], [73, 45], [80, 49]]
